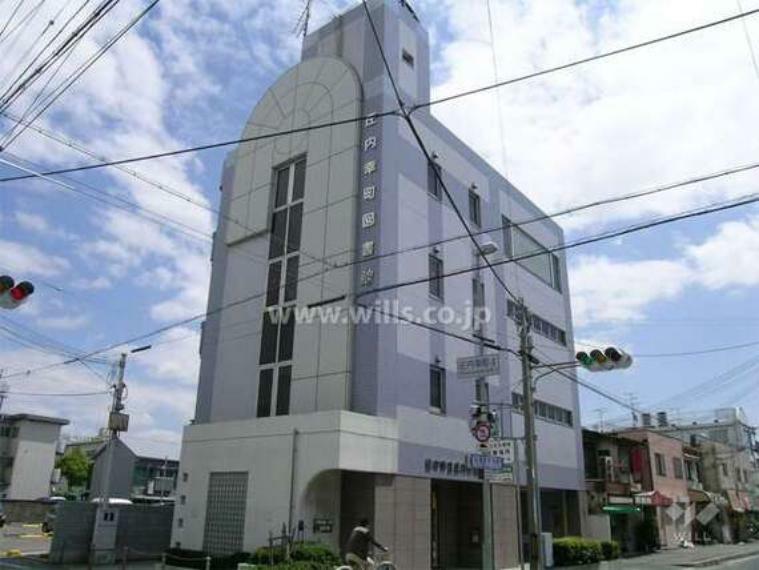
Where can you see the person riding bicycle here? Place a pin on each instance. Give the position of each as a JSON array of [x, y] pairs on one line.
[[357, 547]]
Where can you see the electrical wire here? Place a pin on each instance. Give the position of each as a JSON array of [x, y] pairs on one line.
[[10, 18], [428, 156], [583, 61], [58, 395], [713, 208], [546, 71], [81, 70], [609, 235]]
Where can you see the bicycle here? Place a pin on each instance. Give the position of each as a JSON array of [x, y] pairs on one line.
[[381, 562]]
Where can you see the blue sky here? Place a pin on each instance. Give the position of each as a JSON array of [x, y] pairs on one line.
[[190, 74]]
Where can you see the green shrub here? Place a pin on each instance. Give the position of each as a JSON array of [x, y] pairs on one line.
[[301, 565], [611, 549], [575, 550], [312, 552]]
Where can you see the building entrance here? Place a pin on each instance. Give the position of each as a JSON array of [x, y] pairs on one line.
[[456, 525]]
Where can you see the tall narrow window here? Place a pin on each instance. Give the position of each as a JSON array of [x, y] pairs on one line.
[[508, 249], [661, 465], [474, 208], [436, 280], [265, 381], [272, 285], [433, 181], [283, 390], [278, 328], [437, 389]]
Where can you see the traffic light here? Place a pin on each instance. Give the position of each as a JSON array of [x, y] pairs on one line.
[[601, 361], [13, 296]]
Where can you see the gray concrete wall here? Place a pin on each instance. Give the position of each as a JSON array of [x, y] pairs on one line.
[[33, 459], [144, 531], [20, 511]]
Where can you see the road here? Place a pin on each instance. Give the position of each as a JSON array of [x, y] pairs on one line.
[[28, 539]]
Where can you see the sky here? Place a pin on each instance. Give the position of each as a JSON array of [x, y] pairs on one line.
[[190, 72]]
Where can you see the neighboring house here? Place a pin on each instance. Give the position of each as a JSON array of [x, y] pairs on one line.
[[136, 477], [661, 464], [314, 424], [614, 476], [28, 446]]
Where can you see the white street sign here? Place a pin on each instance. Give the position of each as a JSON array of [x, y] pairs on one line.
[[469, 367], [506, 450]]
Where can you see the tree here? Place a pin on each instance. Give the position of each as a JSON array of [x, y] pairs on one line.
[[75, 467]]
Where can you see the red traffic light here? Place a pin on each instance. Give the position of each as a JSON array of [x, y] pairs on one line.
[[22, 291]]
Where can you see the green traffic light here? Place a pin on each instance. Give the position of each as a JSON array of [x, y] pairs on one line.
[[584, 358]]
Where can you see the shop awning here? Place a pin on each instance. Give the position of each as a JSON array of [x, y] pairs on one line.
[[701, 496], [652, 499], [620, 509]]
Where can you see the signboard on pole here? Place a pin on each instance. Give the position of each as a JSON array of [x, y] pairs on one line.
[[469, 367], [505, 449], [486, 462]]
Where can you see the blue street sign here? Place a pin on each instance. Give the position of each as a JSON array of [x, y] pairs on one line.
[[487, 462]]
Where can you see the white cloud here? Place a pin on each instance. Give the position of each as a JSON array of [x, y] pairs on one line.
[[24, 259], [65, 322], [730, 257], [655, 115], [98, 283], [607, 290]]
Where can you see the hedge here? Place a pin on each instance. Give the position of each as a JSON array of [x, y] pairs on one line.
[[196, 559], [611, 549], [311, 552], [575, 550]]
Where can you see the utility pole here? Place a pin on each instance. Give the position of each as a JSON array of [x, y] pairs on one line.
[[535, 554], [482, 397], [106, 521]]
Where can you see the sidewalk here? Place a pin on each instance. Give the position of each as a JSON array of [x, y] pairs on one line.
[[700, 557]]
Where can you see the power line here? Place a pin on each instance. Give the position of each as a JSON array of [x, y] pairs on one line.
[[10, 18], [583, 241], [83, 68], [713, 208], [58, 395], [428, 156], [210, 146], [393, 112], [698, 352], [585, 60]]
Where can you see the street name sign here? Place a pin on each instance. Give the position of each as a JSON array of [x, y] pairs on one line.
[[487, 462], [468, 367]]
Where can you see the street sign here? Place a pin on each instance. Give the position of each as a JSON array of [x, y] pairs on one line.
[[487, 462], [323, 525], [505, 475], [504, 448], [468, 367]]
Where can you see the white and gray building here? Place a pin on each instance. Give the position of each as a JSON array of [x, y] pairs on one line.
[[316, 424], [28, 447]]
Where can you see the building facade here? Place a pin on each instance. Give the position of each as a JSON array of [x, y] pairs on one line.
[[316, 423], [28, 445]]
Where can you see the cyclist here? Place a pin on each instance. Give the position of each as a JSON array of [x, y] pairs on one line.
[[357, 547]]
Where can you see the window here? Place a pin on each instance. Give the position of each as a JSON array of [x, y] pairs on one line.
[[544, 410], [436, 281], [265, 382], [185, 476], [661, 466], [677, 464], [407, 58], [183, 499], [508, 249], [437, 389], [474, 208], [434, 171], [539, 325], [724, 469], [531, 255], [278, 328], [283, 390], [226, 501], [180, 523]]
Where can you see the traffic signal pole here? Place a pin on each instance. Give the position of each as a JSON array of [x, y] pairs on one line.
[[528, 409]]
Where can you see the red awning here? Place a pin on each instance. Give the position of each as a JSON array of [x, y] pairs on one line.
[[653, 499]]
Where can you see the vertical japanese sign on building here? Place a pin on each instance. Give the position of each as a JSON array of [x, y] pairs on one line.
[[368, 200]]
